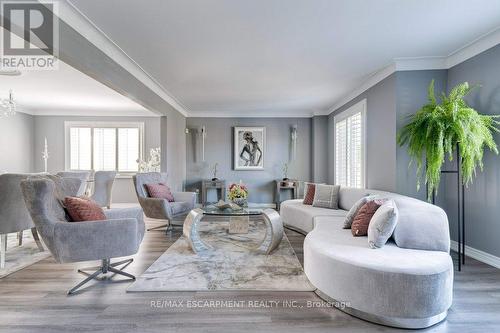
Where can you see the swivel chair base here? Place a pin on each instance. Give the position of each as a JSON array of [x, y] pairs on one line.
[[167, 227], [105, 267]]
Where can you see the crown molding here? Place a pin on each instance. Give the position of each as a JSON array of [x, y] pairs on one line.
[[69, 13], [419, 63], [81, 23], [88, 113], [246, 114], [372, 80], [95, 113], [477, 46], [25, 111]]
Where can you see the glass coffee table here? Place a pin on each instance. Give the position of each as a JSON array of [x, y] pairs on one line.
[[238, 223]]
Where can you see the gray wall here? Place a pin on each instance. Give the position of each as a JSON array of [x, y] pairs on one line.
[[381, 135], [16, 143], [402, 94], [173, 144], [482, 197], [52, 127], [219, 148], [411, 94], [319, 148]]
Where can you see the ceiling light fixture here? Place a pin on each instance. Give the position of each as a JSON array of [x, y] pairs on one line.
[[7, 106]]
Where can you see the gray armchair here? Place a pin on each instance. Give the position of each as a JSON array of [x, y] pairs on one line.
[[103, 185], [120, 235], [83, 175], [161, 209], [14, 217]]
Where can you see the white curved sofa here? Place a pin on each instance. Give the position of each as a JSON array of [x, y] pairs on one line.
[[408, 283]]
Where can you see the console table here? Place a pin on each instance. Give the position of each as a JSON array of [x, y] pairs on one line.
[[285, 185], [218, 185]]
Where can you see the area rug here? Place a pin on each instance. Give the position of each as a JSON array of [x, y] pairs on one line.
[[19, 257], [233, 264]]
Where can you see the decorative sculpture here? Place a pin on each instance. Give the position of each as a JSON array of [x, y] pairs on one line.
[[45, 155]]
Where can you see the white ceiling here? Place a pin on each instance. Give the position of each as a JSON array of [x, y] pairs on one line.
[[283, 58], [66, 91]]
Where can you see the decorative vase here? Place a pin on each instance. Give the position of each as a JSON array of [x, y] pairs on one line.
[[242, 202]]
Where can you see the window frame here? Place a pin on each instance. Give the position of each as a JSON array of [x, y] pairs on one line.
[[359, 107], [101, 124]]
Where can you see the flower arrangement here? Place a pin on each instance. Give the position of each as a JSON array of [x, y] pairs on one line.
[[238, 193], [153, 164]]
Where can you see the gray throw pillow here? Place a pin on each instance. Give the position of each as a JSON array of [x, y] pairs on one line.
[[326, 196], [354, 210], [382, 224]]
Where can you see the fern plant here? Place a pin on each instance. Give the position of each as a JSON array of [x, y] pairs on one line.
[[437, 129]]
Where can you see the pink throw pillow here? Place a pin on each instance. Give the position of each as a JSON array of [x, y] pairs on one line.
[[362, 219], [160, 191], [310, 191], [83, 209]]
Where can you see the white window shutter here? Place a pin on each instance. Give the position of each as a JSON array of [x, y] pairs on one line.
[[80, 148], [104, 149], [103, 146], [341, 153], [349, 147], [128, 149]]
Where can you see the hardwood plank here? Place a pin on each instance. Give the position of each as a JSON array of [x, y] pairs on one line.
[[34, 300]]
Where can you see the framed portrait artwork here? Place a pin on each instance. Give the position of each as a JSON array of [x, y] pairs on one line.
[[249, 148]]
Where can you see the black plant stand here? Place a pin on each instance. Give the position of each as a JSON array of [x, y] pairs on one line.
[[461, 209]]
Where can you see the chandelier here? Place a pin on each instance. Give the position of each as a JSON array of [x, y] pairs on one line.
[[7, 106]]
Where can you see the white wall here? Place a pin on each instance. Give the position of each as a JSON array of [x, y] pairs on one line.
[[16, 143]]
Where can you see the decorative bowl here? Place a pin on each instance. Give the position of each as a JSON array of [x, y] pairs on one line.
[[222, 205]]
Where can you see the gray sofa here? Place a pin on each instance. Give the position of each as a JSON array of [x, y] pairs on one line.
[[408, 283]]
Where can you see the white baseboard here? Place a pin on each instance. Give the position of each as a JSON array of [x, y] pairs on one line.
[[478, 255]]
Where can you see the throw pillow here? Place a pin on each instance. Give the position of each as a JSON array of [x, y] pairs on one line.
[[382, 224], [355, 209], [326, 196], [83, 209], [309, 194], [361, 221], [160, 191]]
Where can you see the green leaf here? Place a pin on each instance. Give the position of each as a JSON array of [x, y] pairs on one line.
[[436, 130]]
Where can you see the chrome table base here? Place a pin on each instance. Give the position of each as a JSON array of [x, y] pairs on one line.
[[274, 231]]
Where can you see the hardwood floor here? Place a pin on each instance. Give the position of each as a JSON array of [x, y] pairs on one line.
[[34, 300]]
